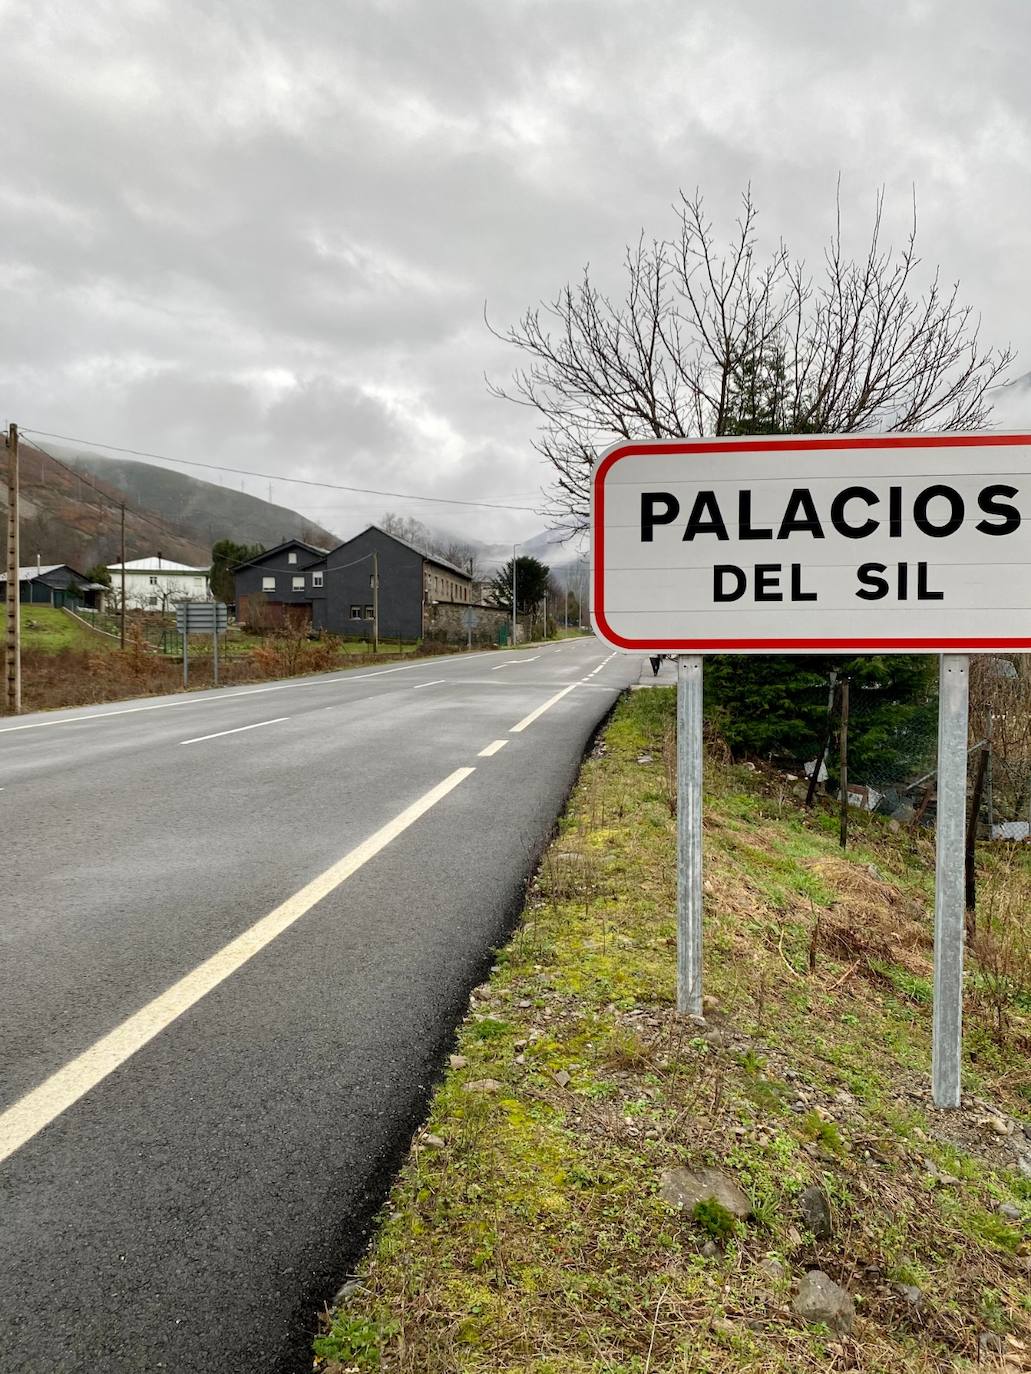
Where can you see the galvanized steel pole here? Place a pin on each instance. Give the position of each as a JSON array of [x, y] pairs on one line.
[[689, 834], [946, 1053]]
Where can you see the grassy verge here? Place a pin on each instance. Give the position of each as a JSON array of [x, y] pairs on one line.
[[526, 1231], [50, 630], [60, 670]]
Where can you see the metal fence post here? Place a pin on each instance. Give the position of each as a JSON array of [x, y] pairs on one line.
[[689, 834], [946, 1054]]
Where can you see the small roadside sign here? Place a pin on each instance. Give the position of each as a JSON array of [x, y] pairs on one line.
[[907, 543], [200, 618]]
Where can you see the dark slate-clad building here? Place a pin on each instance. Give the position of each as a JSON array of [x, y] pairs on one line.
[[56, 584], [333, 591], [283, 584]]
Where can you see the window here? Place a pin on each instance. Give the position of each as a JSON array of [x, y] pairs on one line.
[[291, 558], [298, 583], [372, 579], [356, 613], [316, 579], [368, 612], [152, 600], [268, 584], [153, 581]]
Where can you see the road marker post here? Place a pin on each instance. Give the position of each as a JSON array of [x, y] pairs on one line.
[[871, 544]]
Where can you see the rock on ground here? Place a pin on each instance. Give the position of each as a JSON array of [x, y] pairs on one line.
[[814, 1208], [820, 1299], [686, 1188]]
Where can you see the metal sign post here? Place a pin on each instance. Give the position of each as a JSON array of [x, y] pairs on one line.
[[949, 879], [831, 544], [200, 617], [689, 834]]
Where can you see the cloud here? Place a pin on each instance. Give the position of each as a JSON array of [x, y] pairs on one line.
[[265, 234]]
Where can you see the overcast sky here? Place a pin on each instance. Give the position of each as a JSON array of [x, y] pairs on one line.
[[263, 234]]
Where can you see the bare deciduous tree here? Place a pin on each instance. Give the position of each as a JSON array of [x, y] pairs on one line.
[[713, 342]]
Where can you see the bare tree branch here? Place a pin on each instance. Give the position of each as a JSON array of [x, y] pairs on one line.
[[712, 341]]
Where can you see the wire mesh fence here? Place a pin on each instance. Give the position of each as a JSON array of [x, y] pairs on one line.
[[891, 748]]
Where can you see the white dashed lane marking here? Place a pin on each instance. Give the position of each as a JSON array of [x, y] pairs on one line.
[[534, 715], [199, 739]]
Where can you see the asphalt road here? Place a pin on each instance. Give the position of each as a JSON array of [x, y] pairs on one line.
[[237, 930]]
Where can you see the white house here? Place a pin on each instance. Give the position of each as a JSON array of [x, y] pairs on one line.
[[156, 583]]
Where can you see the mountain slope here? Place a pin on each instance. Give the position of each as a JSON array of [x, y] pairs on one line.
[[202, 511], [65, 519]]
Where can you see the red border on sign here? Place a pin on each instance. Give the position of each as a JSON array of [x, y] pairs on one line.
[[776, 444]]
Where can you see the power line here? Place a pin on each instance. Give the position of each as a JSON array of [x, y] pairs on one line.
[[308, 567], [264, 476]]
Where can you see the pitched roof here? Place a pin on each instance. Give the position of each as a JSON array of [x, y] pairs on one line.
[[30, 573], [27, 574], [279, 548], [155, 564], [433, 558]]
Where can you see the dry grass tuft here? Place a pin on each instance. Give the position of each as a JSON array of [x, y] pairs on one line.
[[872, 920]]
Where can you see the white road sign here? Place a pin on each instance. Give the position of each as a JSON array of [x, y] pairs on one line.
[[879, 543]]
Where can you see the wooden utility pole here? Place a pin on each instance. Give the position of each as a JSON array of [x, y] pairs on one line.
[[122, 611], [843, 766], [375, 603], [12, 639]]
